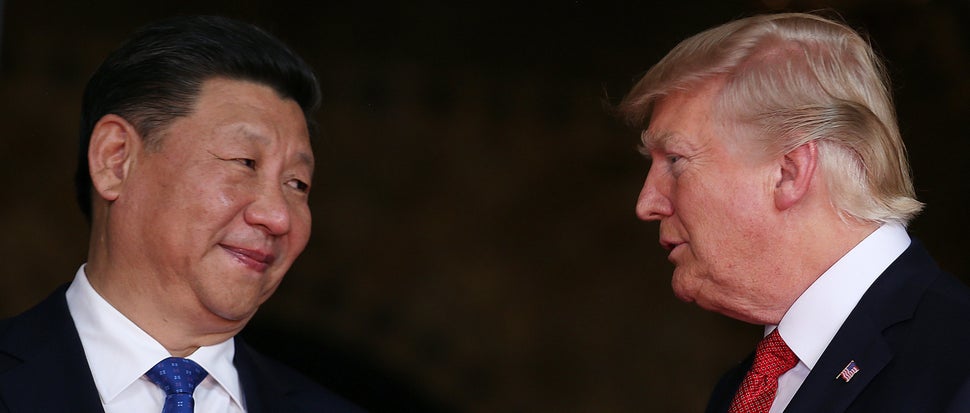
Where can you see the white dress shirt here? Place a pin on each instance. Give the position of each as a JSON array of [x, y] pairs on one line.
[[119, 353], [812, 321]]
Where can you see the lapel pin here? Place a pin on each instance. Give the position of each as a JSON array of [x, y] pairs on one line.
[[850, 370]]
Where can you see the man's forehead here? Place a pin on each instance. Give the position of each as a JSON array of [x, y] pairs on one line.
[[655, 137], [267, 135], [698, 103]]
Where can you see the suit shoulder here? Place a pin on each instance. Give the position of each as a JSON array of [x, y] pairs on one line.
[[947, 298], [938, 326], [45, 323], [5, 325], [282, 372], [295, 391], [7, 360]]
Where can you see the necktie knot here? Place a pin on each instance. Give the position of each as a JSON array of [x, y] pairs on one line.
[[178, 377], [772, 358]]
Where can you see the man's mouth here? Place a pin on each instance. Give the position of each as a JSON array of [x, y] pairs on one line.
[[669, 244], [253, 258]]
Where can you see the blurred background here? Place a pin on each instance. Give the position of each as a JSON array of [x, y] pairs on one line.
[[474, 245]]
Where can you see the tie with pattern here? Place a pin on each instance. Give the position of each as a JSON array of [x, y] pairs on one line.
[[178, 377], [772, 358]]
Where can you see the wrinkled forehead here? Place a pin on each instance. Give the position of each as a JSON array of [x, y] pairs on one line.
[[295, 143], [697, 118], [695, 104]]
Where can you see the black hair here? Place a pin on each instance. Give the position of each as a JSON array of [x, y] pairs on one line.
[[157, 74]]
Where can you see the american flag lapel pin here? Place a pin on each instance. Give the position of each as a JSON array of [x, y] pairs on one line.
[[850, 370]]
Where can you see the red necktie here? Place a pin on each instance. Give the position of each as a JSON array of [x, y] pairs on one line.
[[772, 358]]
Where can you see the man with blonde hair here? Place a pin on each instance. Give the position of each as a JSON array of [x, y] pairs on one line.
[[782, 189]]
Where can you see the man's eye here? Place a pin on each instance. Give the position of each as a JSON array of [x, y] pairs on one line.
[[299, 185], [249, 163], [673, 158]]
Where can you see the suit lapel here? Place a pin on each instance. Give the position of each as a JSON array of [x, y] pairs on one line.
[[727, 386], [263, 392], [889, 302], [823, 389], [41, 348]]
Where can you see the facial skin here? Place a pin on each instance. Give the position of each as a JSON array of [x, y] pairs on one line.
[[716, 207], [191, 235]]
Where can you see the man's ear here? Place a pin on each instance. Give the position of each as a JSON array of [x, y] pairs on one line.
[[114, 144], [797, 171]]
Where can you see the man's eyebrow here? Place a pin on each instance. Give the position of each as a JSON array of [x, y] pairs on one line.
[[650, 141], [305, 158], [250, 135], [246, 131]]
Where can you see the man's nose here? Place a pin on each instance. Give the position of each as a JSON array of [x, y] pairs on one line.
[[653, 203], [270, 210]]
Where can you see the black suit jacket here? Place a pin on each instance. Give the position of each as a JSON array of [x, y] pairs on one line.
[[43, 369], [909, 336]]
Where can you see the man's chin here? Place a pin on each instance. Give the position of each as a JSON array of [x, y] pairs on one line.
[[237, 311], [682, 288]]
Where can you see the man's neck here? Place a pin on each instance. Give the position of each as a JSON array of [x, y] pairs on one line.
[[813, 248], [133, 299]]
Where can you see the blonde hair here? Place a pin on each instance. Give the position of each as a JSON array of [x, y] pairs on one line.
[[796, 78]]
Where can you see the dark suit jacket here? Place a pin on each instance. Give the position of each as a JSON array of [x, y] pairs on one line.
[[909, 336], [43, 369]]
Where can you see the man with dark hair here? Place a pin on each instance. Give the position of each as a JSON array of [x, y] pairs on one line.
[[194, 170], [781, 185]]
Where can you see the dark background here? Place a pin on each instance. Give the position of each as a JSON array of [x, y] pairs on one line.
[[474, 245]]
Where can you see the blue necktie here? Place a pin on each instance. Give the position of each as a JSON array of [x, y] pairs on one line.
[[178, 377]]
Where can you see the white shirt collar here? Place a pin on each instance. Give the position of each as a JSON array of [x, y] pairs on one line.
[[119, 352], [816, 316]]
